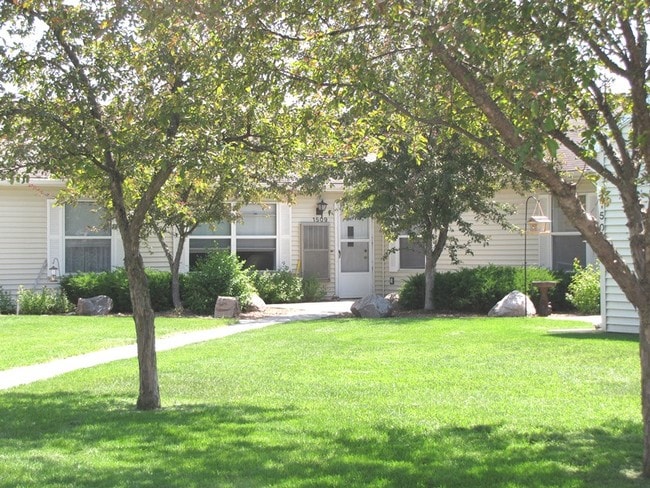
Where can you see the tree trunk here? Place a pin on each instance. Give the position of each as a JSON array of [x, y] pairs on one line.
[[429, 281], [644, 350], [176, 274], [149, 394], [176, 288], [433, 248], [174, 261]]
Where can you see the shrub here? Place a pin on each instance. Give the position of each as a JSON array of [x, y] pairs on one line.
[[160, 287], [45, 301], [7, 304], [312, 289], [220, 273], [473, 290], [280, 286], [115, 284], [584, 289], [411, 294]]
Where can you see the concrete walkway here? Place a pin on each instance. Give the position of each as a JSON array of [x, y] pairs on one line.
[[277, 314]]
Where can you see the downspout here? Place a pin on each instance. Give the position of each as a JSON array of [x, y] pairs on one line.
[[383, 265]]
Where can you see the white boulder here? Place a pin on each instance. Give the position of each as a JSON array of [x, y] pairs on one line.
[[514, 304]]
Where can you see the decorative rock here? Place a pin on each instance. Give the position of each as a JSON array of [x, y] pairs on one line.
[[256, 304], [99, 305], [372, 306], [227, 307], [393, 298], [513, 305]]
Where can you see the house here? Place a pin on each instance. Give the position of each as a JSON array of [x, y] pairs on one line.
[[349, 256]]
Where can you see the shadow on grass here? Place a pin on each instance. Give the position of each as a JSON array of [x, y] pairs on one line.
[[595, 335], [68, 440]]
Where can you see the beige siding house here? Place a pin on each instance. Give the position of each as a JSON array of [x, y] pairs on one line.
[[349, 256]]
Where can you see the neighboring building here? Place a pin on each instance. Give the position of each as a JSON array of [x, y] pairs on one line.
[[618, 314], [349, 256]]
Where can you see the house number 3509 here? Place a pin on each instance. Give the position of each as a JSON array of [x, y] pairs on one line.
[[320, 219]]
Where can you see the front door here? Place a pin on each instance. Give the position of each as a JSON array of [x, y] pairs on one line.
[[354, 258]]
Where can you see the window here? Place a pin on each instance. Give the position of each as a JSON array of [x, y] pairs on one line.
[[315, 251], [203, 240], [567, 243], [253, 239], [87, 239], [411, 254]]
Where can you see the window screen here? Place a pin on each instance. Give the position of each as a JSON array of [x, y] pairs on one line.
[[87, 239], [315, 251], [411, 254]]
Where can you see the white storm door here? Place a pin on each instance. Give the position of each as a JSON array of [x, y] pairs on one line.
[[354, 258]]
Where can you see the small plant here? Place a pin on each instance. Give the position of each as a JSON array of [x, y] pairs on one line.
[[584, 289], [280, 286], [312, 289], [43, 302], [7, 304]]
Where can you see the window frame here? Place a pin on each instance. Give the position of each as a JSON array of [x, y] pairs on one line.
[[399, 254], [88, 237], [233, 237], [564, 233]]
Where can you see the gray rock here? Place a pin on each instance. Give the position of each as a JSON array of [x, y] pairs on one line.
[[513, 305], [372, 306], [227, 307], [256, 304], [99, 305], [393, 298]]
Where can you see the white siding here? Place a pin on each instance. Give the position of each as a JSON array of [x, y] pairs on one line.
[[618, 313], [32, 236], [24, 240], [504, 247], [152, 252]]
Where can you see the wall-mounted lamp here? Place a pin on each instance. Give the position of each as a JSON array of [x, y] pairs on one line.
[[54, 270], [320, 207], [538, 223]]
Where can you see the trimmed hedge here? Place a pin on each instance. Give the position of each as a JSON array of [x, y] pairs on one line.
[[115, 284], [476, 290]]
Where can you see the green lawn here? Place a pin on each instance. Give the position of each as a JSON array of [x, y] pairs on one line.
[[30, 339], [346, 403]]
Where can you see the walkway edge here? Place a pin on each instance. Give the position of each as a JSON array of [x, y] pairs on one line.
[[23, 375]]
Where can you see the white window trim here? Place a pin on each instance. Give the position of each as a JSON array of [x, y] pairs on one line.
[[56, 238], [590, 202], [394, 257]]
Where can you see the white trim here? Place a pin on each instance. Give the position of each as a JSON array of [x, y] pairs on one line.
[[55, 235], [117, 248], [283, 236], [393, 256]]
